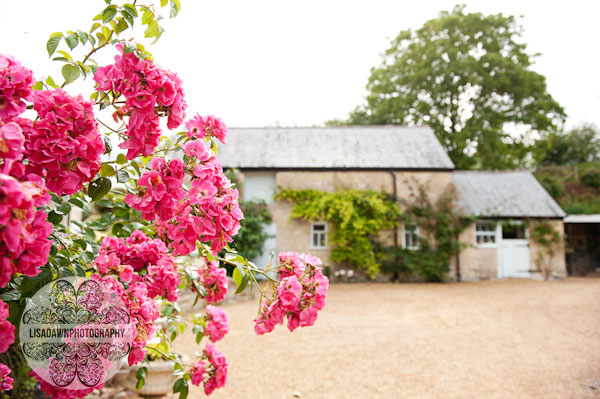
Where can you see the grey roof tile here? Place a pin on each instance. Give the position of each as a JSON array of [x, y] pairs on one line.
[[503, 194], [375, 147]]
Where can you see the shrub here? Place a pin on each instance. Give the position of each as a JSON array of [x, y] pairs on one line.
[[591, 178], [553, 185]]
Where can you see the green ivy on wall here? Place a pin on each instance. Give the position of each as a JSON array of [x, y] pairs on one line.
[[440, 225], [357, 216], [549, 240]]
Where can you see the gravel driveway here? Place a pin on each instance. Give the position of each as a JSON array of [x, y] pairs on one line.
[[492, 339]]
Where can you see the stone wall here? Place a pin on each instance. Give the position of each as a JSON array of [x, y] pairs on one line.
[[482, 263], [558, 261], [475, 263], [294, 235]]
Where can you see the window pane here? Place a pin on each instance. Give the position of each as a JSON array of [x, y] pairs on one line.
[[513, 232], [318, 227], [315, 240]]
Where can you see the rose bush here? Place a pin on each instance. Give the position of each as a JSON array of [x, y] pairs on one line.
[[163, 197]]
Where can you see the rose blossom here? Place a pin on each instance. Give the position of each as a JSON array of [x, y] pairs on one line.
[[217, 370], [197, 373], [16, 85], [216, 323], [150, 92], [300, 295], [214, 280], [5, 380], [64, 145]]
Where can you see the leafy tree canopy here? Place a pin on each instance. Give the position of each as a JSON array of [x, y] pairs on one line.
[[578, 145], [468, 77]]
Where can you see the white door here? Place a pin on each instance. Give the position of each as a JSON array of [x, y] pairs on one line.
[[513, 253], [269, 246]]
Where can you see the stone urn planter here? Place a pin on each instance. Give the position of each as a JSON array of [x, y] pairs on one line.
[[159, 381]]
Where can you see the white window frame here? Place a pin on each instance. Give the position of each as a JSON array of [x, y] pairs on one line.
[[497, 233], [313, 232], [416, 232]]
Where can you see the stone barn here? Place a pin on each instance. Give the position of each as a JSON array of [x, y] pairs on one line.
[[387, 158]]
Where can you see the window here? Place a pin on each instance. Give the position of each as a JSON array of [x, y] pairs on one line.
[[411, 236], [486, 234], [318, 233], [514, 231]]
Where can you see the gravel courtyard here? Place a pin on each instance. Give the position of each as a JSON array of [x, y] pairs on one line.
[[492, 339]]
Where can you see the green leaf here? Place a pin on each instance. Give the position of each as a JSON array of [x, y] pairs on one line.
[[163, 2], [50, 82], [31, 285], [38, 85], [83, 67], [101, 38], [141, 375], [67, 55], [184, 393], [77, 202], [121, 159], [179, 385], [117, 229], [106, 32], [95, 26], [120, 26], [105, 203], [54, 218], [163, 347], [175, 8], [70, 73], [72, 40], [238, 276], [122, 176], [130, 9], [63, 209], [109, 13], [83, 37], [152, 30], [52, 43], [244, 283], [99, 188], [13, 295], [147, 16], [127, 17], [106, 170], [107, 145]]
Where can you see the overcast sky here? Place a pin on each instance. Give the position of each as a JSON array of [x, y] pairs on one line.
[[300, 63]]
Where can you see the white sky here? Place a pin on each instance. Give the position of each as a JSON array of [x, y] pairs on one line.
[[300, 63]]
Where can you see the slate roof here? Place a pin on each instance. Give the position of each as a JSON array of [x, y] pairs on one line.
[[348, 147], [504, 194]]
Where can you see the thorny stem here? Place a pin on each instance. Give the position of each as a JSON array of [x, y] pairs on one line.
[[108, 127], [164, 355]]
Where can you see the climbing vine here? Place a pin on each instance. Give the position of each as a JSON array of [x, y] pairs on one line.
[[548, 239], [357, 216], [440, 225]]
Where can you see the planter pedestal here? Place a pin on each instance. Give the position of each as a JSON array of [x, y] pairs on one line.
[[159, 381]]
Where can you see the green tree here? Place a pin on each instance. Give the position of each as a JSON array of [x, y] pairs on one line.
[[468, 77], [578, 145]]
